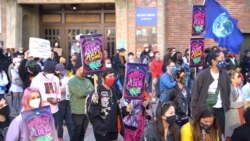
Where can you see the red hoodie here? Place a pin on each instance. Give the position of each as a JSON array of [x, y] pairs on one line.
[[156, 68]]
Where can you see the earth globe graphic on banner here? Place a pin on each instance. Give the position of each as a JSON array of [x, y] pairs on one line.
[[223, 26]]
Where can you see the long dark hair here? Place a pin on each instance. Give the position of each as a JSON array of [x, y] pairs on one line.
[[205, 111], [160, 111]]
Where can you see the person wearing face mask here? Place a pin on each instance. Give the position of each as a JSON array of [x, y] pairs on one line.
[[181, 98], [234, 116], [167, 81], [212, 87], [16, 86], [17, 131], [48, 85], [4, 118], [118, 64], [75, 48], [203, 127], [164, 128], [131, 58], [64, 104], [104, 113], [79, 88], [156, 70], [20, 53], [144, 57]]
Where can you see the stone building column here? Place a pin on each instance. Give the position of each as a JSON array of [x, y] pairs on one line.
[[161, 22], [11, 23], [121, 23]]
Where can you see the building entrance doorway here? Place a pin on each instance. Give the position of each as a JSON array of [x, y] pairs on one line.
[[63, 22]]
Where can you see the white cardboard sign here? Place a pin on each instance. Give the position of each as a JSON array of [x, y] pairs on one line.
[[39, 48]]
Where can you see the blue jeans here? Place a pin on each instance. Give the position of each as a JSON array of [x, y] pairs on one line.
[[64, 114]]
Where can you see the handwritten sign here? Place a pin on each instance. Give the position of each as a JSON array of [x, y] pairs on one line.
[[59, 51], [39, 124], [199, 20], [39, 48], [135, 81], [92, 53], [196, 52]]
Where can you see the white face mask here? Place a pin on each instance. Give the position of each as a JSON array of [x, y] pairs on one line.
[[56, 44], [151, 54], [131, 61], [49, 75], [35, 103], [78, 44], [147, 49], [108, 66]]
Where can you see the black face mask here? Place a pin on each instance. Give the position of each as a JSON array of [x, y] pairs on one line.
[[205, 126], [5, 111], [171, 119]]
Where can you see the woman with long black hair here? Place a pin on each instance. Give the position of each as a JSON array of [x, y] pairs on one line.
[[164, 128]]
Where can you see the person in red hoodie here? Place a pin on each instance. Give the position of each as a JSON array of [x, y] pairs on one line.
[[156, 70]]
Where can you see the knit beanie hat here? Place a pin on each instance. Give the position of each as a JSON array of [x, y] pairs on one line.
[[49, 66]]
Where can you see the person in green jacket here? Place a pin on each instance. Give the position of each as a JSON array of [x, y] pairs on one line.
[[79, 88]]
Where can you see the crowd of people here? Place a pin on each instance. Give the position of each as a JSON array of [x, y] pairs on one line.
[[206, 103]]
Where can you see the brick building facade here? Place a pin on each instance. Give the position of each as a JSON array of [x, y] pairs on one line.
[[173, 21], [179, 15]]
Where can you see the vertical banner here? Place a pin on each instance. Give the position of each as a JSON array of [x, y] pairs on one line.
[[135, 81], [196, 52], [92, 53], [198, 20], [39, 124]]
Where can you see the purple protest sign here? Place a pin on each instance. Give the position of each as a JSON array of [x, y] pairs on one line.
[[93, 59], [135, 80], [39, 124], [199, 20], [196, 52]]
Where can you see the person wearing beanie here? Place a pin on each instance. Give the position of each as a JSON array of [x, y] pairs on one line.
[[79, 88], [48, 85], [64, 104]]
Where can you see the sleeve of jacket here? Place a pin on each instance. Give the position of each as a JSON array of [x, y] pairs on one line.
[[228, 92], [186, 133], [4, 80], [166, 81], [195, 93], [58, 91], [14, 130], [95, 108], [153, 69]]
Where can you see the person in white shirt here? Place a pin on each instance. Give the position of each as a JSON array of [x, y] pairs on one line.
[[16, 86], [64, 105]]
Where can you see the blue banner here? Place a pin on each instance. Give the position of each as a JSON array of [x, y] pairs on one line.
[[146, 16]]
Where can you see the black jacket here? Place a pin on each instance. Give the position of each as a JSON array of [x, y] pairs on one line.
[[181, 103], [151, 133], [241, 133], [100, 113], [201, 85]]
